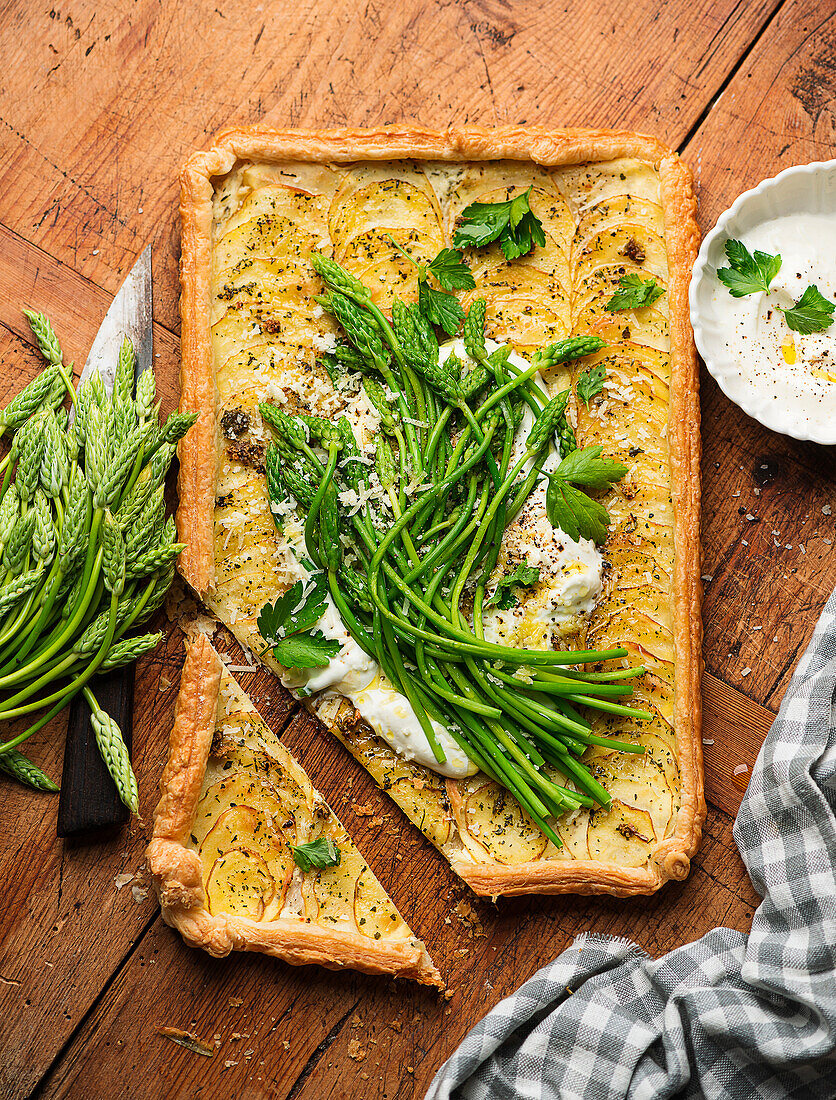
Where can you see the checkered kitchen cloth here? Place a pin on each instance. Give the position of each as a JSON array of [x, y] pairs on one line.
[[729, 1016]]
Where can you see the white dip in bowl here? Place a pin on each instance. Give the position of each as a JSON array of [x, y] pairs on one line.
[[784, 379]]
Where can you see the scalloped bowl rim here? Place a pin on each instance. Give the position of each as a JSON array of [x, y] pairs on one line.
[[781, 421]]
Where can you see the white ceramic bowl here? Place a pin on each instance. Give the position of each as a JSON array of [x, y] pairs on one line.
[[805, 189]]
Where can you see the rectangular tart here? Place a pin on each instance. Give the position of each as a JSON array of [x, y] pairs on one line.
[[254, 207]]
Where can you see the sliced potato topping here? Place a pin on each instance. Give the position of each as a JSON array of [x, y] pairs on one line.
[[602, 222], [256, 804]]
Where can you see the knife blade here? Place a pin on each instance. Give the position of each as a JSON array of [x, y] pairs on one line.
[[89, 799]]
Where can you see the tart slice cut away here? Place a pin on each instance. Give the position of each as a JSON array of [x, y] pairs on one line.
[[247, 855]]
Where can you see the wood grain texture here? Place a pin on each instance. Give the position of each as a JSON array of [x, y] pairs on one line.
[[97, 109], [734, 728], [102, 104], [769, 502], [333, 1035]]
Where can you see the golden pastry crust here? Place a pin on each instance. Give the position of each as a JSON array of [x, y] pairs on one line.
[[178, 873], [549, 148]]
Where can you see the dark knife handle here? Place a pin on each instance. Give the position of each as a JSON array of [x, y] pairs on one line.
[[89, 799]]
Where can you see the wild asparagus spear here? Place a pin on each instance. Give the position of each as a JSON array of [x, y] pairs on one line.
[[86, 551]]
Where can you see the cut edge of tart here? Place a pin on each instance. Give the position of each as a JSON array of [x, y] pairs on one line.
[[234, 812], [626, 852]]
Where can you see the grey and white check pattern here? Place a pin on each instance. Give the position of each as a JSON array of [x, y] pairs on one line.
[[730, 1016]]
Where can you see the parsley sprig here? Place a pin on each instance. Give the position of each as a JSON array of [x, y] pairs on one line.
[[317, 854], [568, 507], [440, 308], [747, 273], [286, 626], [811, 313], [591, 383], [752, 273], [504, 596], [634, 293], [451, 273], [513, 223]]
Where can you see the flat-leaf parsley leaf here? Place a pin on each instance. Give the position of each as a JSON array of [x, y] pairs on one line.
[[440, 308], [286, 626], [590, 383], [451, 271], [811, 313], [513, 223], [308, 649], [634, 293], [570, 509], [587, 467], [319, 854], [747, 273], [576, 514], [504, 596]]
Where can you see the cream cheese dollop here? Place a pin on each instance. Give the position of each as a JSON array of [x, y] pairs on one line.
[[357, 676]]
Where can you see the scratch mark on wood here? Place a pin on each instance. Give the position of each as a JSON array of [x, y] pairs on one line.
[[313, 1061]]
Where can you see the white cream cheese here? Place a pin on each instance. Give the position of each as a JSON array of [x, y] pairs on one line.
[[570, 583], [355, 675], [777, 365]]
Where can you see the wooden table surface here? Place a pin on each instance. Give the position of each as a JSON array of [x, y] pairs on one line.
[[99, 104]]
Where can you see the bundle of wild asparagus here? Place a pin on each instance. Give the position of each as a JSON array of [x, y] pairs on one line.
[[86, 551], [408, 568]]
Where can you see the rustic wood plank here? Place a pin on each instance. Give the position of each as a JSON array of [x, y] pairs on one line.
[[734, 729], [90, 186], [101, 105], [769, 518], [287, 1013], [30, 278]]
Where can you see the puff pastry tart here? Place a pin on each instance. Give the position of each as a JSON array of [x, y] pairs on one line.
[[616, 209], [235, 807]]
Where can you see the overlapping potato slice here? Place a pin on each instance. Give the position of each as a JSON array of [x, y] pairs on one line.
[[248, 557], [591, 185], [256, 803], [622, 835], [617, 245], [419, 792], [633, 329], [379, 204], [262, 284], [644, 217], [492, 823]]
